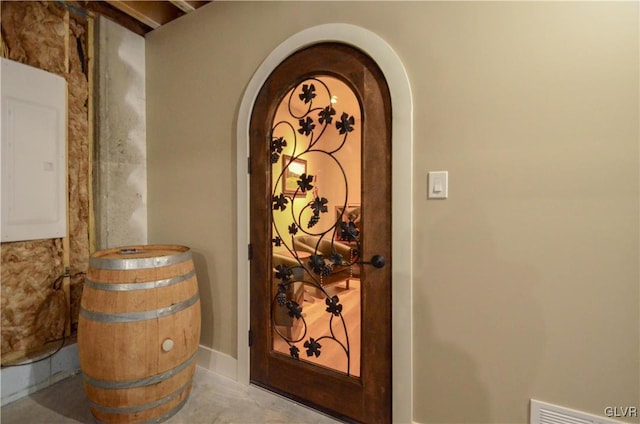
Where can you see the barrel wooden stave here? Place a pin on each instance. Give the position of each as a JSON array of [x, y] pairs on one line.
[[130, 351], [120, 400], [125, 352], [135, 396], [157, 414]]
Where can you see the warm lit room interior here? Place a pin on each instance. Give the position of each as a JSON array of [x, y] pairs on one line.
[[320, 211]]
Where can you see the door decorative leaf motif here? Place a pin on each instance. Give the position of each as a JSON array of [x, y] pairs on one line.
[[320, 147], [309, 131]]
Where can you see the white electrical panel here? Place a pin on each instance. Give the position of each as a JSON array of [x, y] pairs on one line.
[[34, 167]]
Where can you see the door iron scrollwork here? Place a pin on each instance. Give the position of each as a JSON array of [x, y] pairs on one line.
[[335, 244]]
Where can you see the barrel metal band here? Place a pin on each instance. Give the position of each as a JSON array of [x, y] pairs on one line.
[[139, 286], [138, 316], [139, 263], [169, 414], [139, 408], [141, 382], [162, 418]]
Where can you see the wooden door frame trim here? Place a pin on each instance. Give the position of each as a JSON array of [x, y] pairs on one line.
[[402, 197]]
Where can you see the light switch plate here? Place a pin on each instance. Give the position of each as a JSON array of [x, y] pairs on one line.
[[438, 185]]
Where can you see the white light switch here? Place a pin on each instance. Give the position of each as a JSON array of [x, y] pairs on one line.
[[438, 185]]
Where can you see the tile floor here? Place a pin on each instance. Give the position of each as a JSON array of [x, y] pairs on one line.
[[213, 399]]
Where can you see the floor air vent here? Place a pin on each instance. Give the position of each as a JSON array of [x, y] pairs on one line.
[[546, 413]]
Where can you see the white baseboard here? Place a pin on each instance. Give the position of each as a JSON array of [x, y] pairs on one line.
[[21, 381], [217, 362]]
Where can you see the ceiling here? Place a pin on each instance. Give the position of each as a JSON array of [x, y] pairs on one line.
[[142, 17]]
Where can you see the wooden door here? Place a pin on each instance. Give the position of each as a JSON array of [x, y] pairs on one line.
[[320, 210]]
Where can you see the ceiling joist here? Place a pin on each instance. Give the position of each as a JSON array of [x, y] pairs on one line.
[[188, 5], [139, 16], [150, 13], [183, 5]]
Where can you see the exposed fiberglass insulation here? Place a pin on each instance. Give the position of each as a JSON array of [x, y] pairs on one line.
[[78, 161], [34, 33], [33, 312]]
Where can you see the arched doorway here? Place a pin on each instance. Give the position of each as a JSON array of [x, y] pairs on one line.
[[399, 86], [320, 149]]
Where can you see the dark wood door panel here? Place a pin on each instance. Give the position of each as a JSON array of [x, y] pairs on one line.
[[366, 398]]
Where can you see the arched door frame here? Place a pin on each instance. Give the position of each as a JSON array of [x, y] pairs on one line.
[[402, 196]]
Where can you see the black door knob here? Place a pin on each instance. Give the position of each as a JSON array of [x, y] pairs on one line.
[[378, 261]]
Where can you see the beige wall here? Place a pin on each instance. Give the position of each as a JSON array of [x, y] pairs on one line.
[[526, 280]]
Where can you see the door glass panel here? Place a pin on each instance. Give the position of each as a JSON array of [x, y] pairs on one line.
[[316, 232]]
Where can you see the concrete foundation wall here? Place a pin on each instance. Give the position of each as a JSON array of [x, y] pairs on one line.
[[121, 170]]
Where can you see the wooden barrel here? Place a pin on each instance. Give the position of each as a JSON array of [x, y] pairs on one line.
[[138, 332]]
